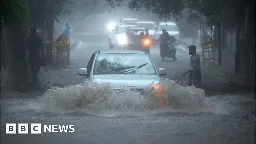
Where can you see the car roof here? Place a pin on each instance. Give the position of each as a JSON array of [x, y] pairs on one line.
[[121, 51], [129, 19], [137, 28], [168, 23], [127, 25], [146, 22]]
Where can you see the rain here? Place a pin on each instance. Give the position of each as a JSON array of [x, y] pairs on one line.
[[140, 96]]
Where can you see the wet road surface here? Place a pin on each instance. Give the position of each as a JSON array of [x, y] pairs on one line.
[[225, 119]]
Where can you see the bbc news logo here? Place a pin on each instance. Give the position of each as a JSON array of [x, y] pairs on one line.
[[37, 128]]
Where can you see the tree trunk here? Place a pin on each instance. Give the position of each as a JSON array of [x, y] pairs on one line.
[[17, 57], [3, 45], [223, 37], [252, 42], [219, 41], [245, 52], [48, 18], [238, 49], [49, 46], [248, 51]]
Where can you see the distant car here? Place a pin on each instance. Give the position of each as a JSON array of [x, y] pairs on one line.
[[119, 68], [117, 38], [136, 41], [128, 21], [171, 28], [150, 25]]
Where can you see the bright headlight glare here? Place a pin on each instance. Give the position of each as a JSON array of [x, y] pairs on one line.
[[146, 42], [156, 86], [159, 90], [122, 39], [111, 26], [160, 94]]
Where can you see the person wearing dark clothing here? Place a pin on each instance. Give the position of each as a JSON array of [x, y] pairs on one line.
[[163, 42], [195, 68], [36, 55], [171, 44]]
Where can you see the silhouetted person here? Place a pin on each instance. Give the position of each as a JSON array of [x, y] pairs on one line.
[[36, 55], [163, 42], [195, 67], [171, 44]]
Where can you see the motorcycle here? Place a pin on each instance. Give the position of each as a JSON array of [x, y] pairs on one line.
[[169, 50]]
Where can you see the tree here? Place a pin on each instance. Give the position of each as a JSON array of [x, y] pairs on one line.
[[231, 15], [15, 17], [13, 14]]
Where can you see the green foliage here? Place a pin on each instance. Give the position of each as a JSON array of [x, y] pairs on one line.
[[59, 6], [49, 9], [13, 11], [16, 11], [163, 8], [114, 3], [229, 12]]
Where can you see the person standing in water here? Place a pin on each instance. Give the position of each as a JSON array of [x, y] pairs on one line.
[[36, 55], [195, 68]]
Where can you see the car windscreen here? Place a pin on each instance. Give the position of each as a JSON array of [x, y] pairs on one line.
[[123, 63], [130, 22], [124, 28], [137, 32], [146, 25], [169, 27]]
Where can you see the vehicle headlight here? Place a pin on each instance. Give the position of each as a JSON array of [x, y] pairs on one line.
[[147, 42], [111, 26], [122, 39], [160, 94]]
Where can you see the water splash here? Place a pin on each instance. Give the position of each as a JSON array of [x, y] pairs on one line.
[[103, 100], [95, 98]]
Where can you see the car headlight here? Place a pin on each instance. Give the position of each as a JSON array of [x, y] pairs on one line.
[[122, 39], [160, 94], [111, 26], [147, 42]]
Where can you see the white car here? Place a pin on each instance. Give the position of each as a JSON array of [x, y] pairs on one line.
[[119, 68], [150, 25], [171, 28], [118, 38], [128, 21]]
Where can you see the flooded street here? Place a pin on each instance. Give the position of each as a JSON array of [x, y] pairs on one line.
[[100, 115], [224, 119]]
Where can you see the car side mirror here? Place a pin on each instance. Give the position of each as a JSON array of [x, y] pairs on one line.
[[82, 72], [162, 71]]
